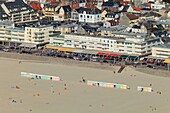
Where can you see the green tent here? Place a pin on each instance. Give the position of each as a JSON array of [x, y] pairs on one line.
[[132, 57], [124, 56]]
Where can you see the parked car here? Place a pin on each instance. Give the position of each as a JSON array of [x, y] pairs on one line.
[[5, 49], [152, 66]]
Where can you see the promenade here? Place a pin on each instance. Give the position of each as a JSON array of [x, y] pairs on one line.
[[70, 62]]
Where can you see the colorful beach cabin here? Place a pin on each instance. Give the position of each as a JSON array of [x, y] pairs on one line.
[[107, 85], [38, 76]]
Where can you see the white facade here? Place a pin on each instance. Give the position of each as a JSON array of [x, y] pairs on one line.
[[32, 35], [38, 35], [89, 18], [129, 44], [162, 51], [157, 5], [142, 29], [19, 13]]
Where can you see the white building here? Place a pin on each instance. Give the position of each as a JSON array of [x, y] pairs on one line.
[[122, 43], [89, 15], [157, 5], [162, 51], [37, 35], [19, 12]]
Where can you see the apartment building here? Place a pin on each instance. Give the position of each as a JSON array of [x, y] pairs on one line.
[[9, 35], [19, 12], [37, 35], [162, 51], [138, 44]]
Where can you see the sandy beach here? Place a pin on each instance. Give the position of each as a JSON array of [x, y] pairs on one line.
[[72, 96]]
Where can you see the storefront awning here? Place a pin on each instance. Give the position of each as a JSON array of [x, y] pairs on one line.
[[124, 56], [132, 57], [66, 49], [167, 61], [27, 45]]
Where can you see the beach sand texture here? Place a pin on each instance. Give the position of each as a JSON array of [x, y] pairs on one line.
[[72, 96]]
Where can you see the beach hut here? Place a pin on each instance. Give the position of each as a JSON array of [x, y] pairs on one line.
[[38, 76], [144, 89]]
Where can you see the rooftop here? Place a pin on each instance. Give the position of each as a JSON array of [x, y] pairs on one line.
[[167, 46]]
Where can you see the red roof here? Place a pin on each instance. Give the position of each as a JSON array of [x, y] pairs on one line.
[[115, 55], [36, 6], [108, 54], [125, 2], [54, 3], [137, 9], [90, 5]]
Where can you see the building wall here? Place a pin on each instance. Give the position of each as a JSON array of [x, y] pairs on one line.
[[10, 34], [103, 15], [161, 52], [38, 35], [64, 30], [74, 16], [22, 16], [89, 18], [157, 6], [128, 45], [34, 35]]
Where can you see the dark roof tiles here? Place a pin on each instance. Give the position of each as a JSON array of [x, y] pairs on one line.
[[109, 4], [90, 10]]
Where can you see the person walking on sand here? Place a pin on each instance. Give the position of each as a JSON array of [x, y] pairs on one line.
[[19, 62], [83, 79]]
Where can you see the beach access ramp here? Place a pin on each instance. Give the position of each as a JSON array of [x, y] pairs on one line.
[[121, 69]]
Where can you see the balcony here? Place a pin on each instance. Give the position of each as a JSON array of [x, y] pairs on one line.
[[37, 40], [163, 53]]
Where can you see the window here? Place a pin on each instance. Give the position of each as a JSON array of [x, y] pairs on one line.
[[87, 16], [81, 16]]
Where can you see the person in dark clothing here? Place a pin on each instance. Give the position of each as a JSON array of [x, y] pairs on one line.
[[83, 80]]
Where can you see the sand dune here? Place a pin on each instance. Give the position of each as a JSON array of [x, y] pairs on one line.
[[35, 95]]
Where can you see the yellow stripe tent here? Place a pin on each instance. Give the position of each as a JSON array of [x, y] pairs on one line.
[[167, 61], [60, 48], [51, 47]]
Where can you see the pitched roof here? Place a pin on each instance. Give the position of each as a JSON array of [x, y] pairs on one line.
[[113, 21], [89, 28], [90, 10], [132, 16], [17, 6], [108, 4], [151, 14], [88, 5], [125, 8], [110, 15], [3, 15], [35, 6], [82, 1], [66, 8]]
